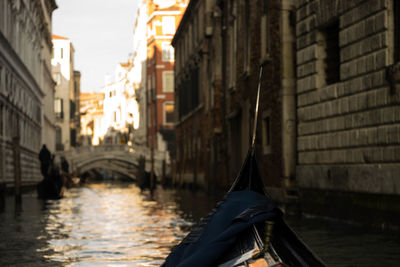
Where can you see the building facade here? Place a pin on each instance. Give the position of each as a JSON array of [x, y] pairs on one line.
[[120, 107], [67, 93], [163, 18], [139, 71], [328, 126], [75, 117], [26, 84], [91, 110], [197, 87], [348, 107], [219, 47]]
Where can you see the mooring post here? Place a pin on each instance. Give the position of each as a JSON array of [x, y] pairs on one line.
[[17, 168], [163, 175]]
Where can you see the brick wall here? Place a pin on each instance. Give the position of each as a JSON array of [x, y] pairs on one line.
[[348, 131]]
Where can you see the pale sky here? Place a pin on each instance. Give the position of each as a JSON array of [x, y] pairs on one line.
[[101, 32]]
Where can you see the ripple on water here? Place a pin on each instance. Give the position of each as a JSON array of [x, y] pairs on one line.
[[101, 224]]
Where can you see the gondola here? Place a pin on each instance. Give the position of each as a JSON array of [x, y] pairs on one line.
[[52, 185], [245, 229]]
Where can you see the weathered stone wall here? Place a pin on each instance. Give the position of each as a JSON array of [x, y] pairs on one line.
[[348, 131], [25, 48]]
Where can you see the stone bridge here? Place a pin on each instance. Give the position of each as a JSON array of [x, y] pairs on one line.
[[123, 159]]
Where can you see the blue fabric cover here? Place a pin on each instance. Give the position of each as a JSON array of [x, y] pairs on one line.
[[239, 211]]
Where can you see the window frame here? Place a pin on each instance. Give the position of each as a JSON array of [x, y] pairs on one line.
[[165, 112], [164, 81]]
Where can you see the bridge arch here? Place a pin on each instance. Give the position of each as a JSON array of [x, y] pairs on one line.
[[123, 166], [117, 157]]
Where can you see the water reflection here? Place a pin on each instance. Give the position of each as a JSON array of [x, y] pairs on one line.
[[340, 244], [116, 224], [99, 224], [105, 223]]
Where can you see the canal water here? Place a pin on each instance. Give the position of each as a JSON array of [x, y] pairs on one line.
[[114, 224]]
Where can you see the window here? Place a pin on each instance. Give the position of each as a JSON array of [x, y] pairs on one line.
[[168, 25], [164, 3], [189, 93], [61, 53], [59, 108], [75, 87], [396, 10], [73, 137], [59, 145], [265, 31], [168, 81], [169, 112], [233, 44], [246, 39], [332, 53], [57, 77], [72, 109], [266, 132], [167, 52]]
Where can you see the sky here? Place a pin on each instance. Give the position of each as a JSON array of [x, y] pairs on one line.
[[101, 32]]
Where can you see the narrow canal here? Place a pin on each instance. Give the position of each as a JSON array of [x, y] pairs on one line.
[[110, 224]]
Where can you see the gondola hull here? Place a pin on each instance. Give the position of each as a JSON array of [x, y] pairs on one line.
[[236, 233]]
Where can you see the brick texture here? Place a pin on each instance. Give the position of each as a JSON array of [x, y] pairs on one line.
[[353, 124]]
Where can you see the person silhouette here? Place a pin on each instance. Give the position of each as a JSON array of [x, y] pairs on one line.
[[45, 160], [64, 165]]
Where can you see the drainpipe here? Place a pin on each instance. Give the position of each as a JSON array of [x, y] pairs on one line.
[[288, 101]]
